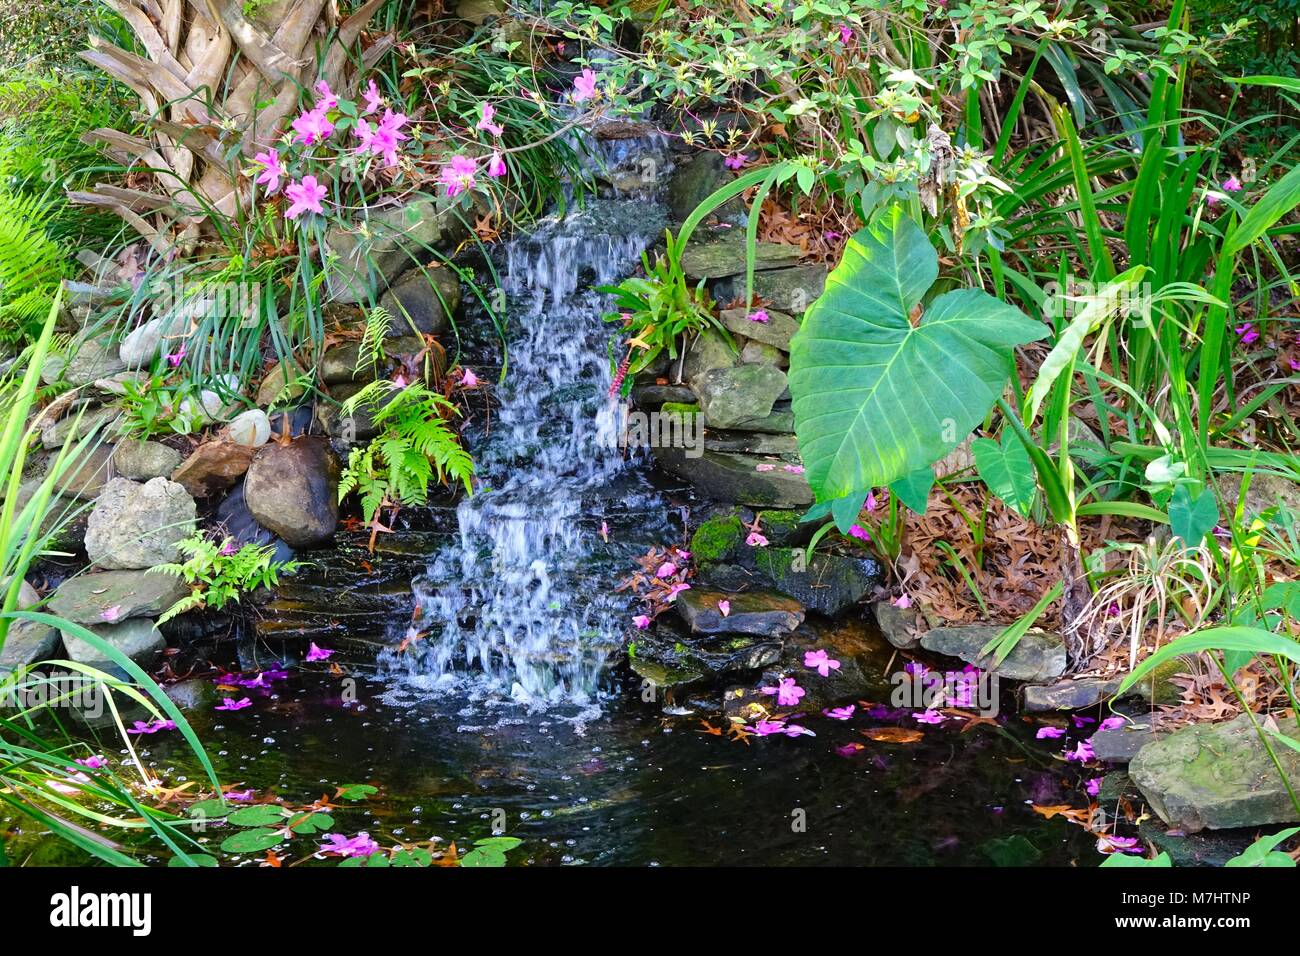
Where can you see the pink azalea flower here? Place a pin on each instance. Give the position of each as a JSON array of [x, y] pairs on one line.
[[759, 315], [859, 532], [793, 469], [848, 750], [229, 703], [1247, 333], [372, 97], [821, 662], [111, 613], [915, 668], [1118, 844], [724, 606], [765, 466], [458, 175], [383, 138], [95, 762], [239, 796], [486, 124], [315, 653], [787, 692], [735, 161], [359, 845], [468, 379], [174, 359], [871, 503], [312, 127], [1112, 723], [795, 730], [839, 713], [1211, 199], [1081, 753], [584, 86], [304, 196], [1232, 185], [228, 548], [326, 98], [152, 727], [496, 166], [271, 170], [666, 570], [684, 555], [756, 540], [930, 716], [1093, 786], [675, 590], [642, 621], [1050, 733], [902, 601], [846, 33], [1081, 721], [765, 728]]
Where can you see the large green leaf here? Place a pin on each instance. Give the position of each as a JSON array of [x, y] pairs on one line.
[[876, 398], [1007, 470]]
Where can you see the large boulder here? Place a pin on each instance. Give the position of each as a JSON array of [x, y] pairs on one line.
[[1218, 776], [214, 467], [137, 525], [111, 596], [142, 460], [427, 298], [138, 639], [28, 642], [292, 490], [1039, 656]]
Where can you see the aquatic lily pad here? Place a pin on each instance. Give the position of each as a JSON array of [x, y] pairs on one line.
[[252, 841], [311, 823], [356, 791], [416, 857], [209, 809], [490, 852], [263, 815]]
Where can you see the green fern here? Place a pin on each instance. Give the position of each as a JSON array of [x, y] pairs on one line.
[[219, 573], [378, 321], [415, 447], [31, 265]]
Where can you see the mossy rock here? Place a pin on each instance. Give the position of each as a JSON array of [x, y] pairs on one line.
[[685, 409], [717, 539]]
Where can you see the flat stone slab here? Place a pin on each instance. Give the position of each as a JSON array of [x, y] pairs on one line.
[[751, 612], [725, 256], [1039, 656], [27, 643], [1069, 694], [137, 638], [111, 596], [776, 331], [1122, 744], [736, 478], [1218, 776]]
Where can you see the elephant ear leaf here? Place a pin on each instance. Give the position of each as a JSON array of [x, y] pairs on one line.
[[876, 397], [1007, 470]]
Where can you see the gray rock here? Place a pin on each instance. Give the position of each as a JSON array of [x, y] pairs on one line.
[[760, 353], [730, 396], [137, 639], [776, 331], [1119, 746], [137, 525], [281, 387], [650, 397], [113, 596], [85, 477], [1195, 849], [372, 255], [116, 385], [1218, 776], [26, 644], [426, 298], [77, 425], [789, 290], [734, 478], [91, 359], [751, 443], [1039, 656], [142, 460], [1068, 694], [1266, 491], [146, 341], [292, 490], [901, 626], [724, 255], [751, 612], [65, 519], [695, 180], [779, 422], [706, 352], [339, 365], [829, 584]]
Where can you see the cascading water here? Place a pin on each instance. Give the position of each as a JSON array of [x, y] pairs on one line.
[[522, 606]]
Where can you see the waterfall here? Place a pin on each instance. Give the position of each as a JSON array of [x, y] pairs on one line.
[[521, 606]]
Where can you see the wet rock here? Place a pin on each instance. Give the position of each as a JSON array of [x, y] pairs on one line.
[[112, 596], [1040, 656], [214, 467], [339, 365], [1195, 849], [694, 180], [734, 478], [724, 255], [780, 421], [373, 254], [828, 583], [137, 525], [426, 298], [26, 644], [650, 397], [1217, 776], [671, 655], [776, 331], [192, 694], [751, 612], [789, 290], [902, 627], [137, 639], [717, 539], [142, 460], [292, 490], [235, 520], [1069, 694], [1119, 745], [760, 353], [251, 428], [730, 396], [665, 675], [751, 443], [704, 353]]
